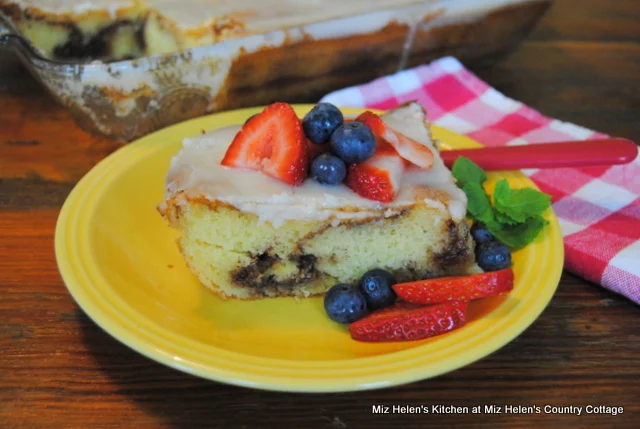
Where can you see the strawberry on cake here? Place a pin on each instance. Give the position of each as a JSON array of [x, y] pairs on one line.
[[281, 206]]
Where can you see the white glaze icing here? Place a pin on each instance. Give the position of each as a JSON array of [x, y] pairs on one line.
[[197, 172]]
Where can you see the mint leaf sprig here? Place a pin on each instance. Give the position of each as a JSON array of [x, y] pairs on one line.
[[514, 217]]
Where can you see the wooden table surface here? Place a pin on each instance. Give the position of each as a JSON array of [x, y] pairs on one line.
[[58, 369]]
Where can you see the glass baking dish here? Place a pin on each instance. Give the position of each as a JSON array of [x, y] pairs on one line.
[[125, 100]]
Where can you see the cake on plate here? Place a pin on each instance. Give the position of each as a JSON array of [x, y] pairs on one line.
[[278, 207]]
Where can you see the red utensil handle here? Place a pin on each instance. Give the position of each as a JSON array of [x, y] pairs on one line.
[[548, 155]]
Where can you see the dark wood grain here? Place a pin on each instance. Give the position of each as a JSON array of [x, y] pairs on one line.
[[59, 370]]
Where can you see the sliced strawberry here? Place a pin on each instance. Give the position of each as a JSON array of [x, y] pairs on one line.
[[316, 149], [379, 177], [464, 288], [272, 142], [407, 148], [402, 322]]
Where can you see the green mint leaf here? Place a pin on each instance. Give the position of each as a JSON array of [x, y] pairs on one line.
[[518, 236], [501, 192], [519, 204], [515, 216], [504, 219], [478, 204], [466, 171]]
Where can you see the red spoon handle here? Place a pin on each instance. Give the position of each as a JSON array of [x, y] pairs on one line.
[[548, 155]]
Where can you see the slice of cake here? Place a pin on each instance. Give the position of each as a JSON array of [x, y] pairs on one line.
[[253, 223]]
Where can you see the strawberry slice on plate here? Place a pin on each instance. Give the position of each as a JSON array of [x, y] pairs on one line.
[[406, 147], [379, 177], [464, 288], [314, 149], [273, 142], [402, 322]]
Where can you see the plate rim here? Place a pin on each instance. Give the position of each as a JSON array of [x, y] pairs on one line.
[[139, 149]]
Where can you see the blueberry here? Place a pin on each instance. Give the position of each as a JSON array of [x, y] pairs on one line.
[[493, 256], [480, 233], [321, 122], [353, 142], [345, 303], [328, 169], [376, 287]]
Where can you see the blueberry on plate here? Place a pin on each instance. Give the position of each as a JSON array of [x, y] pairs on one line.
[[328, 169], [321, 122], [345, 303], [480, 233], [376, 287], [493, 256], [353, 142]]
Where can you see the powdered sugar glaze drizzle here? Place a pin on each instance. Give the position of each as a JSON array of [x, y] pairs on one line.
[[196, 172]]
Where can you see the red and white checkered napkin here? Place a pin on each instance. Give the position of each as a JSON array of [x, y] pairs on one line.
[[598, 207]]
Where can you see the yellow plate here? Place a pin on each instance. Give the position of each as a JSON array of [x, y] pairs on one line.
[[120, 262]]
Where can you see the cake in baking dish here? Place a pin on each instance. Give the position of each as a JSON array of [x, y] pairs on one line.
[[120, 29], [254, 222]]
